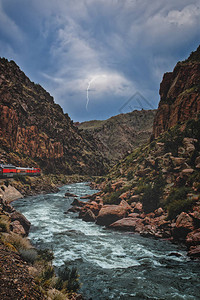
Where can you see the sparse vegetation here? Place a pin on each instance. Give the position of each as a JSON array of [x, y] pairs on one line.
[[178, 206], [67, 279], [113, 198], [17, 241], [178, 201], [152, 194], [29, 255], [130, 175], [172, 140], [4, 223]]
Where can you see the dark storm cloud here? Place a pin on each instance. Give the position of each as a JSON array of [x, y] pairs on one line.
[[106, 50]]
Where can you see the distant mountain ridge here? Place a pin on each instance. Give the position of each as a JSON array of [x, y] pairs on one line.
[[35, 131], [121, 134]]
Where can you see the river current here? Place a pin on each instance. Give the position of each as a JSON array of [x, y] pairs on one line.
[[111, 264]]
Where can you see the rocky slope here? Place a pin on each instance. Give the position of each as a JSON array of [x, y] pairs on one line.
[[26, 272], [155, 190], [119, 135], [179, 94], [35, 131]]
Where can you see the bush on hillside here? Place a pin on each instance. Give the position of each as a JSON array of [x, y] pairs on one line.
[[178, 206], [178, 202], [172, 139], [113, 198], [152, 194], [67, 279]]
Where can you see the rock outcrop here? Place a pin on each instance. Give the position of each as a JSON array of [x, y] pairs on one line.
[[17, 222], [179, 95], [35, 131]]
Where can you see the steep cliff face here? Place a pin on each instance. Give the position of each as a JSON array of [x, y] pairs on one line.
[[179, 94], [32, 125], [120, 134]]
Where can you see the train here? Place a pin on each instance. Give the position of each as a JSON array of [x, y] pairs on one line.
[[11, 171]]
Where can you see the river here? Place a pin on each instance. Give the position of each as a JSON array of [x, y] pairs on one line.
[[111, 264]]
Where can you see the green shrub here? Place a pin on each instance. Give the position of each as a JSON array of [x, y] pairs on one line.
[[108, 188], [67, 279], [177, 194], [113, 198], [172, 139], [46, 255], [152, 194], [178, 202], [178, 206], [130, 175], [47, 274], [193, 128]]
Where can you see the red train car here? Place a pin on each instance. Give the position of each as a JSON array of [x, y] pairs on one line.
[[10, 171]]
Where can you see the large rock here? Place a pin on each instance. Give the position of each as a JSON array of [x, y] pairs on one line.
[[89, 216], [9, 193], [108, 214], [124, 204], [125, 224], [194, 252], [196, 218], [77, 202], [17, 216], [70, 195], [18, 228], [184, 225], [138, 207], [193, 238]]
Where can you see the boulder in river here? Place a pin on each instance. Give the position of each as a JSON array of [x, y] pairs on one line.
[[108, 214], [89, 216], [70, 195], [125, 224]]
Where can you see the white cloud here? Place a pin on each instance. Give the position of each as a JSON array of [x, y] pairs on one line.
[[188, 16]]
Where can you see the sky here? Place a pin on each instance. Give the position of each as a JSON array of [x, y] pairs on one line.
[[99, 58]]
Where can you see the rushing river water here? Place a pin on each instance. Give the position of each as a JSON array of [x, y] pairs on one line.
[[112, 265]]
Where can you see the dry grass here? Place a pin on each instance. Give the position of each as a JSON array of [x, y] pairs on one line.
[[17, 241], [4, 223]]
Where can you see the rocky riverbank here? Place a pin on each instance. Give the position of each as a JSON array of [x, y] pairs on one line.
[[25, 272], [21, 186], [131, 217]]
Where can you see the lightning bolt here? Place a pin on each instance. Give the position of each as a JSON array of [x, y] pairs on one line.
[[88, 88]]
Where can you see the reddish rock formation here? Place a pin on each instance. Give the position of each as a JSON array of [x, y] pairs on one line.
[[194, 252], [89, 216], [22, 220], [111, 213], [33, 126], [193, 238], [184, 224], [179, 95]]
